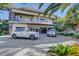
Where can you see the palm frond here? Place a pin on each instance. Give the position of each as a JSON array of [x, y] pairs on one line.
[[76, 5], [52, 11], [71, 12], [40, 5], [2, 5], [51, 7], [64, 6]]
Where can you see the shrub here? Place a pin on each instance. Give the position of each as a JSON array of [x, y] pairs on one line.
[[1, 34], [76, 35], [64, 50], [74, 51]]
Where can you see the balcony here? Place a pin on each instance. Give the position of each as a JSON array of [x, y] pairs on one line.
[[32, 21]]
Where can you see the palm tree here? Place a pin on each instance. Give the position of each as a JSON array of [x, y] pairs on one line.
[[53, 7], [72, 14], [7, 6], [3, 5]]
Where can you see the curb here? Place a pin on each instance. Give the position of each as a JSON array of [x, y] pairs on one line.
[[5, 36]]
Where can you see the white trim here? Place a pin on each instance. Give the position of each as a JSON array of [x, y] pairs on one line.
[[24, 12]]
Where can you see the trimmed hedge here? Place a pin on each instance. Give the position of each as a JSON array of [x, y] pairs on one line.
[[66, 34], [76, 35]]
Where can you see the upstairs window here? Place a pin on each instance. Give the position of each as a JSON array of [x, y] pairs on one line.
[[42, 19], [18, 18]]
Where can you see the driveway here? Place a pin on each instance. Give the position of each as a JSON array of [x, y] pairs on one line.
[[27, 47]]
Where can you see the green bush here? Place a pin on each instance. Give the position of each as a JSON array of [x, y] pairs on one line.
[[76, 35], [1, 34], [66, 34], [61, 33], [63, 50]]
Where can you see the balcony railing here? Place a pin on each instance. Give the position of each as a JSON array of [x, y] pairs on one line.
[[31, 21]]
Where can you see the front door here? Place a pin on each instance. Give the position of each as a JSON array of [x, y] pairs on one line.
[[43, 30]]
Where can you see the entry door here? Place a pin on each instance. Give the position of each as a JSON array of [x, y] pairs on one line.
[[43, 29]]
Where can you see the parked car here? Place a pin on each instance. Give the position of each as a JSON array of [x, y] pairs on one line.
[[51, 32], [24, 33]]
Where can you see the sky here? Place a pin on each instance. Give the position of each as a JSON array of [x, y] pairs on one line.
[[5, 14]]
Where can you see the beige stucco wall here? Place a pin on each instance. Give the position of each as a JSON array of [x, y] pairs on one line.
[[27, 26], [31, 13], [19, 25], [26, 16]]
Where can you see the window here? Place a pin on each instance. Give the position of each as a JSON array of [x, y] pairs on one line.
[[42, 19], [18, 18], [31, 19], [20, 28]]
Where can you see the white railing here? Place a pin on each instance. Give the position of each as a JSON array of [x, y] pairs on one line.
[[31, 21]]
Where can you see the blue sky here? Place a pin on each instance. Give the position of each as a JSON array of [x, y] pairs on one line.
[[5, 14]]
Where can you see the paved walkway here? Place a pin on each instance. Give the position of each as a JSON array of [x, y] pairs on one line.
[[27, 47]]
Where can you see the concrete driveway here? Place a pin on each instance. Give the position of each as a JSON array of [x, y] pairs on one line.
[[27, 47]]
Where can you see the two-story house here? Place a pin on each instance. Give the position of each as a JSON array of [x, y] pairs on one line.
[[28, 18]]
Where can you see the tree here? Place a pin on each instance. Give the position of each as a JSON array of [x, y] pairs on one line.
[[7, 6], [5, 25], [3, 5], [72, 15], [53, 7]]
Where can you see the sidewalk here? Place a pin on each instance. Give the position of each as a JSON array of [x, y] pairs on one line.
[[5, 36]]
